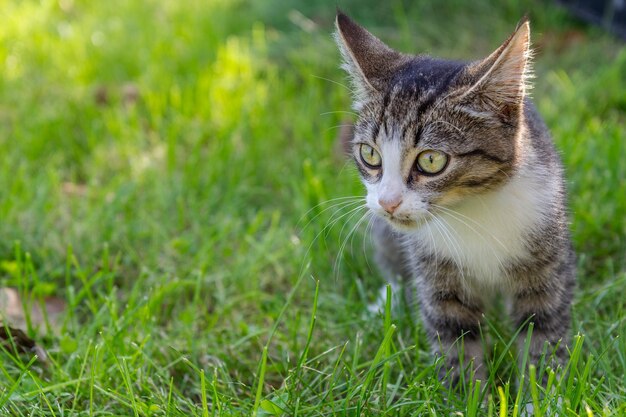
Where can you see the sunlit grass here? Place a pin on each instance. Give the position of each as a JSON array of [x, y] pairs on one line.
[[167, 168]]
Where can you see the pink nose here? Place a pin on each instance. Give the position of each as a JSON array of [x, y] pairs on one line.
[[390, 205]]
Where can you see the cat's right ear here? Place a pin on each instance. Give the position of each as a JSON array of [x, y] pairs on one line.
[[369, 62]]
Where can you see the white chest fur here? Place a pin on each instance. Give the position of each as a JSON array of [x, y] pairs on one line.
[[486, 232]]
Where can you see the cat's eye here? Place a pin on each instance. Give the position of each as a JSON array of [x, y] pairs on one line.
[[370, 156], [432, 162]]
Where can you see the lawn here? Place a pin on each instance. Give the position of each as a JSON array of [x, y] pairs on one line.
[[168, 171]]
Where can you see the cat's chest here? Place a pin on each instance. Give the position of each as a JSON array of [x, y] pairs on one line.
[[489, 232]]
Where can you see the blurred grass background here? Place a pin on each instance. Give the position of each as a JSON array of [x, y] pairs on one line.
[[158, 161]]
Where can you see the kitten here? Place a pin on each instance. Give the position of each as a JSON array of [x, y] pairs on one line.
[[467, 191]]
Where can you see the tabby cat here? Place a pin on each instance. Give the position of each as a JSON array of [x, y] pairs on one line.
[[467, 192]]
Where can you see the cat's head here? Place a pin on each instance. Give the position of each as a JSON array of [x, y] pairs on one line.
[[433, 132]]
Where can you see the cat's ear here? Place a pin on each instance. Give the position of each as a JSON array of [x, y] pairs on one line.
[[501, 81], [369, 62]]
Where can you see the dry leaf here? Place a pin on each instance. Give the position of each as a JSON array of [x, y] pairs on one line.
[[12, 310]]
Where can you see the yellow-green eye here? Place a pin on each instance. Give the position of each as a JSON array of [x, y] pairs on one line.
[[370, 156], [432, 162]]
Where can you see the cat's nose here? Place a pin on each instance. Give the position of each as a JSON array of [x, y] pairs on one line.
[[390, 204]]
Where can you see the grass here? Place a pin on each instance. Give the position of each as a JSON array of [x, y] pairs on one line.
[[164, 168]]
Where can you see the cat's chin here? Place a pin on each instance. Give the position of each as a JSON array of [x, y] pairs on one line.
[[404, 225]]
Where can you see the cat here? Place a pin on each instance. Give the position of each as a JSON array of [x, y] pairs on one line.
[[467, 192]]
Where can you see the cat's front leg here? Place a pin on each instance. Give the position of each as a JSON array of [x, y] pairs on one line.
[[544, 299], [452, 322]]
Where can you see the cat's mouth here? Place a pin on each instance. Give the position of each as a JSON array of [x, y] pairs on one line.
[[403, 223]]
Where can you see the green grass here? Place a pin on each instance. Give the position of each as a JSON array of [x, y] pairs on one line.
[[177, 228]]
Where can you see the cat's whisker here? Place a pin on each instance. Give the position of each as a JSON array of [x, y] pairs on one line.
[[367, 215], [432, 238], [335, 127], [349, 214], [340, 207], [329, 201], [455, 245], [342, 240], [329, 225], [355, 212], [454, 214], [350, 236], [368, 234], [341, 201], [337, 208], [339, 112], [347, 165], [345, 241], [436, 224], [334, 82]]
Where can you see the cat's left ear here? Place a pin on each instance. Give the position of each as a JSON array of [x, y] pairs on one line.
[[501, 80]]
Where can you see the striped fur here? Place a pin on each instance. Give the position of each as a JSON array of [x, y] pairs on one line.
[[493, 221]]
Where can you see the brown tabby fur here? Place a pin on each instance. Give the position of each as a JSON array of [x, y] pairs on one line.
[[493, 222]]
